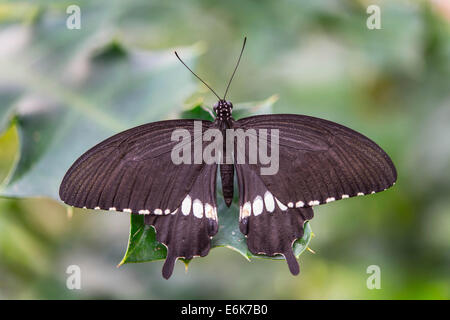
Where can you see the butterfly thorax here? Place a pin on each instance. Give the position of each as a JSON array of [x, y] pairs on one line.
[[223, 110]]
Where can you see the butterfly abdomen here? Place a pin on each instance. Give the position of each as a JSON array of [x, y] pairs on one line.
[[227, 175]]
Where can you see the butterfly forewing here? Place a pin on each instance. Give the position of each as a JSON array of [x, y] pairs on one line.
[[132, 171], [320, 161]]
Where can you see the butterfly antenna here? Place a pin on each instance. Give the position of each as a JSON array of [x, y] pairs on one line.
[[235, 68], [197, 76]]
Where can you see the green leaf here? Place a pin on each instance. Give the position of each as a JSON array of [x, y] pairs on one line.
[[142, 246]]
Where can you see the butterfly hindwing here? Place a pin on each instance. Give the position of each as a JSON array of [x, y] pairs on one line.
[[270, 226], [320, 161], [187, 231]]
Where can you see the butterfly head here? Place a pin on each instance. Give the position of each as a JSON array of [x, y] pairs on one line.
[[223, 109]]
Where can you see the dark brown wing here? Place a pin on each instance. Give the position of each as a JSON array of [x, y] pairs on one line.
[[187, 231], [270, 226], [320, 161], [133, 171]]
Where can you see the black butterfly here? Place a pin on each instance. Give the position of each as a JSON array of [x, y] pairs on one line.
[[319, 161]]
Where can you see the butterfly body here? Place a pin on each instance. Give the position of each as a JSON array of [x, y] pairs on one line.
[[224, 109]]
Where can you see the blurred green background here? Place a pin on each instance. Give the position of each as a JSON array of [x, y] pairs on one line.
[[59, 88]]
